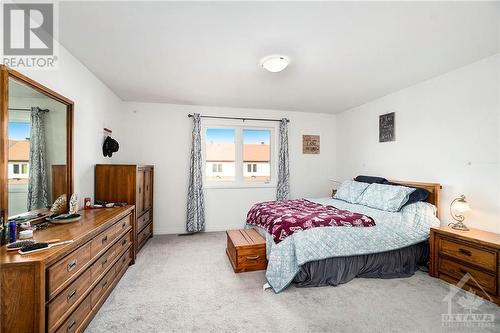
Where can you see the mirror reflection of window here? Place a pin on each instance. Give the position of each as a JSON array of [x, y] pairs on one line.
[[37, 149]]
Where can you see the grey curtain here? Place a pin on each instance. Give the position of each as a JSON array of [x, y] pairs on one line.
[[283, 189], [196, 204], [38, 181]]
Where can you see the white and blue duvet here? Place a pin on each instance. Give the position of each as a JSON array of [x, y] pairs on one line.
[[393, 230]]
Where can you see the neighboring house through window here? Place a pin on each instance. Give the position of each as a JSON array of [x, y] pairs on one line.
[[238, 155], [18, 163]]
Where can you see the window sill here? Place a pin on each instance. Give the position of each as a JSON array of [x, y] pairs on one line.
[[237, 186]]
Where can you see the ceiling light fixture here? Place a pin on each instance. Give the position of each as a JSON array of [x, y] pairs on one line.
[[274, 63]]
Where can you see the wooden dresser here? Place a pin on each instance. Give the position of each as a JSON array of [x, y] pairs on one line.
[[61, 289], [455, 253], [134, 185]]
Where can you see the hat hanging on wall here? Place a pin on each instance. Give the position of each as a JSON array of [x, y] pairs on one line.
[[109, 146]]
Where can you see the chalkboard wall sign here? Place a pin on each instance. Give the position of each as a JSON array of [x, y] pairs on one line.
[[386, 127]]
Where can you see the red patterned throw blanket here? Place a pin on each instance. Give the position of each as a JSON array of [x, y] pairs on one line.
[[283, 218]]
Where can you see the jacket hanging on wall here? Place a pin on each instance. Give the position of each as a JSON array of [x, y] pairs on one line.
[[109, 146]]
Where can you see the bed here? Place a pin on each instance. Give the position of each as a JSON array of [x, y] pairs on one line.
[[320, 256]]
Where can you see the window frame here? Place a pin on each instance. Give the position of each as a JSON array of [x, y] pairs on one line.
[[238, 127]]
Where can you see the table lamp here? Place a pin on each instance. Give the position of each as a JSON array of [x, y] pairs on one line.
[[457, 208]]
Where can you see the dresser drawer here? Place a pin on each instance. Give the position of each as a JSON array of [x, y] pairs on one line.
[[480, 257], [69, 296], [77, 318], [122, 243], [102, 286], [143, 236], [64, 269], [102, 240], [122, 262], [143, 220], [122, 225], [102, 263], [457, 270]]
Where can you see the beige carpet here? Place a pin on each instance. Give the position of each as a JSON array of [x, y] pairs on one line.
[[186, 284]]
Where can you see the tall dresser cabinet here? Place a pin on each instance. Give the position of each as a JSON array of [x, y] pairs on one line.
[[134, 185]]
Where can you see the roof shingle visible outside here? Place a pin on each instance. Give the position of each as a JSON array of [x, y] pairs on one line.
[[19, 150], [225, 152]]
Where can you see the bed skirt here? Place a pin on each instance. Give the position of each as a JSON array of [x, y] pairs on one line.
[[385, 265]]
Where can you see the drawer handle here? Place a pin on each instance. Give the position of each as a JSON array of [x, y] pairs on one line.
[[252, 257], [124, 241], [465, 252], [71, 326], [463, 271], [104, 284], [71, 295], [105, 239], [72, 265], [104, 262], [124, 224]]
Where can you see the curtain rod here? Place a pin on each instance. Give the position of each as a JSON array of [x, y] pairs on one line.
[[25, 109], [239, 118]]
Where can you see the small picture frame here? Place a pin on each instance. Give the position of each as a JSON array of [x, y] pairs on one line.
[[387, 127], [310, 144]]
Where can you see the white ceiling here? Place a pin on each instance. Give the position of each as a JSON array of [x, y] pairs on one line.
[[343, 54]]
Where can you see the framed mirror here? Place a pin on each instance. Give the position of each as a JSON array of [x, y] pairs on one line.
[[36, 155]]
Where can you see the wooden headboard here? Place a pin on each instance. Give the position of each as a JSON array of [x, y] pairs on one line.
[[434, 192]]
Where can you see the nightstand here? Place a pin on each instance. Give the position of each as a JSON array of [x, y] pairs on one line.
[[455, 253]]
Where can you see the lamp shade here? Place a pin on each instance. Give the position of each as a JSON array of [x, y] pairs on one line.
[[461, 206]]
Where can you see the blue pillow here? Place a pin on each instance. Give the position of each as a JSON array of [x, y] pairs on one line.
[[385, 197], [370, 179], [420, 194], [350, 191]]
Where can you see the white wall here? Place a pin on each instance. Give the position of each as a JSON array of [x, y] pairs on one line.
[[447, 131], [96, 106], [160, 134]]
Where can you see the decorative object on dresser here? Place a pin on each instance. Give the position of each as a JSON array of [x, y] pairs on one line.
[[457, 208], [472, 257], [62, 288], [132, 184], [246, 250]]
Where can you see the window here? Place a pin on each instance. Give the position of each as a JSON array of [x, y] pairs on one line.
[[24, 168], [15, 169], [216, 167], [238, 155], [220, 154], [251, 167], [257, 151]]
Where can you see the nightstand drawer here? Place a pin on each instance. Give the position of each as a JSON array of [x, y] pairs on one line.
[[480, 257], [457, 270]]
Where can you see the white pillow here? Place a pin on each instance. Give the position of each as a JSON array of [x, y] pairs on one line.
[[385, 197], [351, 191]]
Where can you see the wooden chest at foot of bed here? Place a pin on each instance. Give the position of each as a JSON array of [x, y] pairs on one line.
[[246, 250]]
